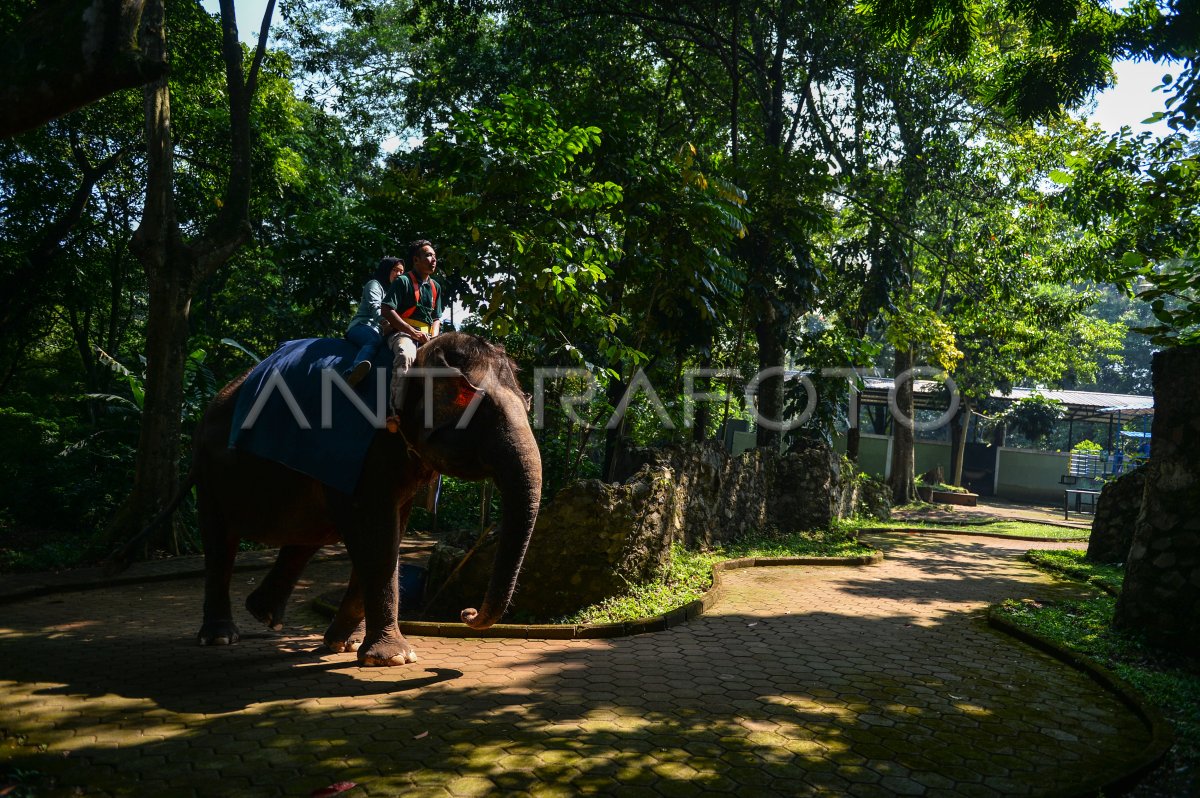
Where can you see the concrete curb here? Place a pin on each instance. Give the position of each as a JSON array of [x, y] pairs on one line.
[[917, 530], [92, 579], [145, 572], [1058, 522], [1162, 737], [655, 623]]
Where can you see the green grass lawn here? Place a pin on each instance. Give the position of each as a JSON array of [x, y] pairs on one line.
[[688, 575], [1017, 528], [1170, 682], [1071, 562]]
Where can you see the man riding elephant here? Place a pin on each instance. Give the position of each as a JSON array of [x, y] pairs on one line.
[[413, 308]]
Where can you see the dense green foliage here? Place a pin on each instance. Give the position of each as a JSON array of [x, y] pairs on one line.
[[665, 198]]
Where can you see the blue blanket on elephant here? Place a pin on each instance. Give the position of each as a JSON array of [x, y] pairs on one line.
[[294, 408]]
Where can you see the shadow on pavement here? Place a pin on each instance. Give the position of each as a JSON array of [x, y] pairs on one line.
[[799, 681]]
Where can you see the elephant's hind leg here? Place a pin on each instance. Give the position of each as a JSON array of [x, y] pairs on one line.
[[348, 628], [218, 628], [269, 600]]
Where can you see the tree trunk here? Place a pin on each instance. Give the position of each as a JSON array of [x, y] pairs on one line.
[[770, 330], [156, 476], [903, 476], [1161, 596], [158, 246], [958, 447], [176, 269], [614, 437]]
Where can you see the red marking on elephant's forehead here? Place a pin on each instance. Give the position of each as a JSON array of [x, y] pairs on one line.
[[465, 394]]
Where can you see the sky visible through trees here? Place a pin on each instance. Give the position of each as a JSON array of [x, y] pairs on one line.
[[1128, 102]]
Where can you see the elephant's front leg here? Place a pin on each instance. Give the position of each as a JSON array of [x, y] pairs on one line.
[[373, 540], [269, 600]]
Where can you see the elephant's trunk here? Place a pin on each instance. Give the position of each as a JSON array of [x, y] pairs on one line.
[[518, 476]]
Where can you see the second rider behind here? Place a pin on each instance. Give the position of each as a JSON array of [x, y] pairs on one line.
[[367, 329]]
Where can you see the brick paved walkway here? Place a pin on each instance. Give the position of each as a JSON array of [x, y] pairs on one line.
[[881, 680]]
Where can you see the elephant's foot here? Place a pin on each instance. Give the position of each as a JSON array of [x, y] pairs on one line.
[[388, 651], [340, 642], [268, 609], [218, 633]]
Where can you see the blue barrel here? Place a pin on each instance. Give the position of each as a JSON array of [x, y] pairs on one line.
[[412, 585]]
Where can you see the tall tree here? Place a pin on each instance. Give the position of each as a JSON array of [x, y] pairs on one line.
[[671, 284], [1079, 40], [175, 266], [759, 60], [894, 122], [1009, 271]]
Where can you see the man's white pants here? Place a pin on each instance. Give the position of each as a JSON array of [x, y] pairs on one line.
[[404, 354]]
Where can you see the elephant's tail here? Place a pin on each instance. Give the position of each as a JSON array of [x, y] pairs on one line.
[[121, 559]]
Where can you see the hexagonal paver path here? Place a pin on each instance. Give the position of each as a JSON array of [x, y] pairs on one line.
[[880, 680]]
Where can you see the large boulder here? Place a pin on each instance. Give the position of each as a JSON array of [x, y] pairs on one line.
[[590, 541], [1116, 516], [861, 495]]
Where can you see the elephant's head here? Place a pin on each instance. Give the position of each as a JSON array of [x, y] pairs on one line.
[[466, 415]]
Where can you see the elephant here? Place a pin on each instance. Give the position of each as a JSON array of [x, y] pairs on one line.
[[241, 495]]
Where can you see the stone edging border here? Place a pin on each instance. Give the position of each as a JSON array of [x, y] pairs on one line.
[[1058, 522], [1161, 735], [66, 584], [656, 623], [915, 530]]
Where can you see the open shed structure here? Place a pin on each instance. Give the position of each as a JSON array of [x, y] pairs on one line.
[[1023, 474]]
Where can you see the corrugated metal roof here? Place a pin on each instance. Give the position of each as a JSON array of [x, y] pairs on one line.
[[1105, 402], [1080, 405]]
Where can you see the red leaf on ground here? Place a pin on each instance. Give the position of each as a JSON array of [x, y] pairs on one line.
[[333, 789]]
